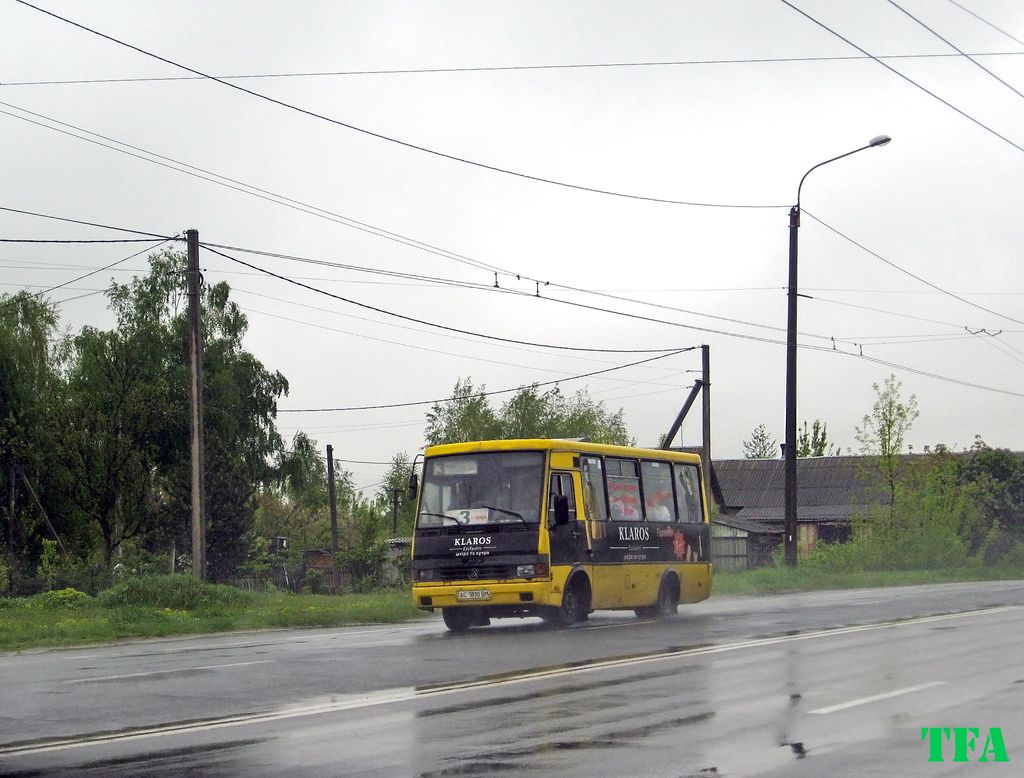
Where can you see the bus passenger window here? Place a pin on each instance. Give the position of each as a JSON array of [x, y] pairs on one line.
[[688, 497], [658, 502], [593, 489], [623, 490]]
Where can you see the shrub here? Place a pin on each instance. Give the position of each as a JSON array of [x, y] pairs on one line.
[[179, 592], [64, 598]]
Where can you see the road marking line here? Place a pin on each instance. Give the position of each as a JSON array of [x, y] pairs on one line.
[[876, 697], [392, 696], [166, 672]]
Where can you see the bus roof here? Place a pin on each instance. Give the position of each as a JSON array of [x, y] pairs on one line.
[[560, 444]]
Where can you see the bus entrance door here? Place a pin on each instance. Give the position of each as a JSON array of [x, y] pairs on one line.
[[568, 541]]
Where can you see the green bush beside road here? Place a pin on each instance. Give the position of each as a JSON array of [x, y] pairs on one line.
[[161, 606]]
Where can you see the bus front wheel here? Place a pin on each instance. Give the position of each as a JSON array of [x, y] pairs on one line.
[[575, 604], [461, 619]]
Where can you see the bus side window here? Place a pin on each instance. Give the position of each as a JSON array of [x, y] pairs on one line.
[[688, 497], [594, 503], [561, 484], [658, 502], [624, 490]]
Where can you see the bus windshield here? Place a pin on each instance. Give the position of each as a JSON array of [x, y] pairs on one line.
[[495, 487]]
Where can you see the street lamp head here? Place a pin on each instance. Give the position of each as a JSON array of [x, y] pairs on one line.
[[879, 140]]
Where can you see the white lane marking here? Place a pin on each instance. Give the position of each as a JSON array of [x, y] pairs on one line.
[[876, 697], [166, 672], [391, 696]]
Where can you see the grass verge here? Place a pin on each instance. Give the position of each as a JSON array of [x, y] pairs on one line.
[[162, 606], [768, 580]]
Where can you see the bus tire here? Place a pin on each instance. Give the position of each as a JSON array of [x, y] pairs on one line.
[[575, 605], [667, 604], [458, 619]]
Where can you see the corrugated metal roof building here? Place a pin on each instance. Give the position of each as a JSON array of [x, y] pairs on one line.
[[830, 490]]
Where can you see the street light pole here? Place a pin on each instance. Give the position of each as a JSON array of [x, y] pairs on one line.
[[789, 453]]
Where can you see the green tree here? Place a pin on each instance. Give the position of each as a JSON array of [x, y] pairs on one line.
[[396, 480], [530, 413], [295, 505], [143, 366], [467, 415], [761, 445], [104, 438], [814, 443], [999, 475], [884, 431]]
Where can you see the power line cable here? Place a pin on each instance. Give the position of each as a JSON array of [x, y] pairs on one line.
[[491, 394], [428, 323], [389, 139], [985, 21], [956, 49], [37, 240], [152, 235], [502, 68], [893, 70], [907, 272], [240, 186], [100, 270]]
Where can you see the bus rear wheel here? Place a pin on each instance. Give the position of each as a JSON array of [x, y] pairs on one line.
[[667, 603]]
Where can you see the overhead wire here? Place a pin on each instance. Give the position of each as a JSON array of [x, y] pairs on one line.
[[390, 139], [100, 270], [896, 72], [955, 48], [536, 384], [436, 325], [499, 68], [240, 186], [405, 240], [985, 21], [912, 275], [860, 355], [152, 235]]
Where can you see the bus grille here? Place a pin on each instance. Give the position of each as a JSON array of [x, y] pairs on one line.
[[483, 572]]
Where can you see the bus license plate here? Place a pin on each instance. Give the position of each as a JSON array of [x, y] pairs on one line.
[[474, 594]]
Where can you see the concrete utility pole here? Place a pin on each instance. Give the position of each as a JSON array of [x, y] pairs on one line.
[[333, 494], [705, 452], [790, 535], [195, 396]]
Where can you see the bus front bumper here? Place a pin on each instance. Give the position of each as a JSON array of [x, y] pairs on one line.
[[477, 593]]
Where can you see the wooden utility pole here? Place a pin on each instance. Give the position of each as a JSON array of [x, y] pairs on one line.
[[394, 511], [333, 494], [10, 516], [195, 396]]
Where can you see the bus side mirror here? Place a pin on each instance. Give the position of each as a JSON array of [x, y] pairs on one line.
[[560, 505], [414, 486]]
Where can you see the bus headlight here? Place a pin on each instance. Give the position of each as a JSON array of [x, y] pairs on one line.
[[532, 571], [425, 574]]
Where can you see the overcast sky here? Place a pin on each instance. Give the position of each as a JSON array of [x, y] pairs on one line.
[[910, 254]]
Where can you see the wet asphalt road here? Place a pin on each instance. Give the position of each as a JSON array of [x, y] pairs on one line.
[[832, 683]]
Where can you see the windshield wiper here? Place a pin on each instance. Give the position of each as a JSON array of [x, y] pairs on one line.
[[510, 513], [441, 516]]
